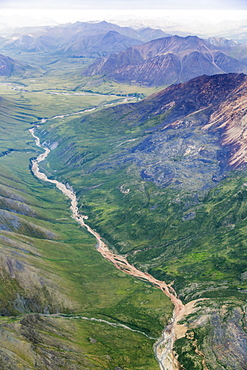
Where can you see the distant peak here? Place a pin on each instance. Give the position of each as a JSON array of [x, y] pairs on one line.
[[112, 33], [192, 37]]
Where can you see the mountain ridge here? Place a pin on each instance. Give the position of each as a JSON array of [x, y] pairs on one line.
[[165, 61], [98, 45], [74, 37]]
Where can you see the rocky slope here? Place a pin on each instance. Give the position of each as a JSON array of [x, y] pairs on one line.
[[222, 99], [165, 61], [194, 132]]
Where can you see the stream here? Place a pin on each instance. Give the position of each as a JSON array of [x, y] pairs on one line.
[[113, 324], [163, 348], [125, 100]]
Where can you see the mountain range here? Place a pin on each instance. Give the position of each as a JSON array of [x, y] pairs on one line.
[[166, 61], [80, 39], [146, 56], [98, 45]]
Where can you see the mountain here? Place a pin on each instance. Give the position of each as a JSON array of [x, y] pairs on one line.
[[6, 65], [78, 45], [96, 28], [31, 43], [80, 38], [165, 61], [232, 48], [190, 129], [147, 34], [163, 181], [9, 66], [221, 101], [98, 45], [223, 44], [239, 52]]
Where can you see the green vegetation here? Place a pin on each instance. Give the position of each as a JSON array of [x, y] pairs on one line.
[[196, 242], [186, 354], [209, 246], [49, 264], [73, 343]]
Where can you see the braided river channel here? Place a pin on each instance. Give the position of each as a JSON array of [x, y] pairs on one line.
[[163, 347]]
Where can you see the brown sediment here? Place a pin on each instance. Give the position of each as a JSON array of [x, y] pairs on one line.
[[164, 346]]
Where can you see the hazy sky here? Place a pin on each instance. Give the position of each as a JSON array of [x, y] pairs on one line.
[[187, 12], [131, 4]]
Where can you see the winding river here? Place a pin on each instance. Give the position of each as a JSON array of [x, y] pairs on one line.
[[163, 348]]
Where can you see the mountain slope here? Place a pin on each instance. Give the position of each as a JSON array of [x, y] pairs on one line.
[[148, 34], [9, 66], [98, 45], [164, 182], [219, 128], [165, 61]]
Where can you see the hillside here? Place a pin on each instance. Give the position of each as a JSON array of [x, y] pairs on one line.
[[9, 66], [164, 182], [53, 281], [165, 61]]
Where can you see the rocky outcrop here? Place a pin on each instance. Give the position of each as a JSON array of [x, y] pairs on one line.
[[215, 339]]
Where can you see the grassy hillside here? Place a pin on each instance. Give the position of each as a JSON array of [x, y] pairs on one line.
[[49, 265], [200, 233]]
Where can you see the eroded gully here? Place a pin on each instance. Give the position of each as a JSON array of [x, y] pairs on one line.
[[163, 348]]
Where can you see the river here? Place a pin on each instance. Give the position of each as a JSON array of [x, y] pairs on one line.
[[163, 348]]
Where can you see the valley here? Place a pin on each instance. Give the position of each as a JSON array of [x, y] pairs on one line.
[[157, 175], [159, 255], [164, 347], [28, 301]]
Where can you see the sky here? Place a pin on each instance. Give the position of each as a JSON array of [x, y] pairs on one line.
[[131, 4], [192, 13]]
